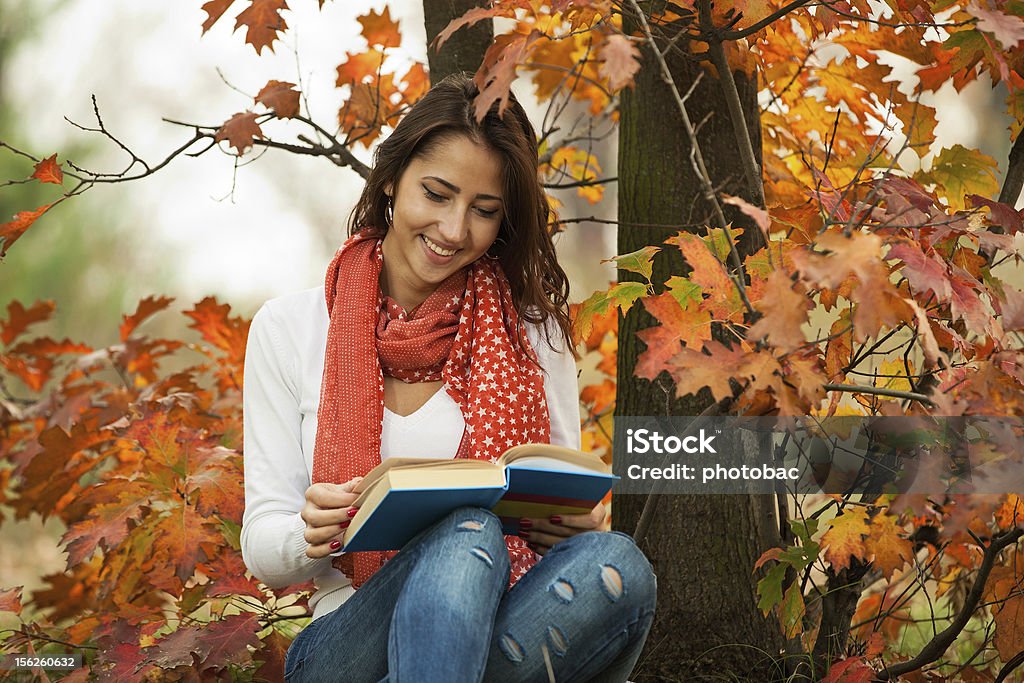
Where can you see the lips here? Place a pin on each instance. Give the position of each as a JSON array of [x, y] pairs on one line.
[[436, 248]]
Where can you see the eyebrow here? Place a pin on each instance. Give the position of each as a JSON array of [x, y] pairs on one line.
[[456, 189]]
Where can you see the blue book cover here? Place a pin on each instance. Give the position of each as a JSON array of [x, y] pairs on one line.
[[403, 496]]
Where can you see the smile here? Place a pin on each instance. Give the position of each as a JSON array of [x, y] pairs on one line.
[[436, 249]]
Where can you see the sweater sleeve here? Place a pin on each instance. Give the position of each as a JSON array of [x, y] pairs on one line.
[[276, 479], [561, 387]]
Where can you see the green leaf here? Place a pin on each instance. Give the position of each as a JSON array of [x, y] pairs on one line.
[[638, 261], [961, 171], [622, 296], [684, 291], [769, 589], [804, 529]]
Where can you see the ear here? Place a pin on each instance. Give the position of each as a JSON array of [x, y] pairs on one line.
[[389, 190]]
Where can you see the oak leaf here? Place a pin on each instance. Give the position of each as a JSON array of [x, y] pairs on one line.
[[1007, 28], [602, 302], [144, 310], [263, 21], [280, 97], [1006, 217], [363, 67], [925, 273], [380, 29], [48, 171], [473, 16], [495, 76], [849, 670], [214, 9], [1009, 621], [10, 600], [961, 172], [20, 318], [240, 131], [784, 312], [621, 61], [723, 300], [22, 221], [845, 538]]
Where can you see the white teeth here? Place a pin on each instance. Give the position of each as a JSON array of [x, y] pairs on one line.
[[436, 249]]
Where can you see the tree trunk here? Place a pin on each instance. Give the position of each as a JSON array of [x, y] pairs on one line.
[[703, 547], [464, 51]]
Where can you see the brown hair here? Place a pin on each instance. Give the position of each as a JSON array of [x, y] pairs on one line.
[[540, 288]]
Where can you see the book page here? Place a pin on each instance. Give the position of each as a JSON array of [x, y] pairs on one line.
[[546, 456]]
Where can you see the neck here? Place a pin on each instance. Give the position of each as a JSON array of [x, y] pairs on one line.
[[404, 293]]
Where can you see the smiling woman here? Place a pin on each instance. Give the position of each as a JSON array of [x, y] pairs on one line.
[[441, 330]]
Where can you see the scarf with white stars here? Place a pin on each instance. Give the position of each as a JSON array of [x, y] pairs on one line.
[[464, 334]]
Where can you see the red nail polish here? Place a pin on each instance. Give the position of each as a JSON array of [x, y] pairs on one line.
[[555, 519], [335, 544], [524, 534], [344, 525], [352, 512], [525, 523]]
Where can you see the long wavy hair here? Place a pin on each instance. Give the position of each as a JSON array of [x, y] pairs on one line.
[[540, 288]]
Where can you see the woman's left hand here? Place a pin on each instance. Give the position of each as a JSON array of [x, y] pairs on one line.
[[542, 534]]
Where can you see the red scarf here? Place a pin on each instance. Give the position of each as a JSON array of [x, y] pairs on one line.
[[461, 334]]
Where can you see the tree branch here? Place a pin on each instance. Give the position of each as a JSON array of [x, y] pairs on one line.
[[1014, 181], [878, 391], [941, 642]]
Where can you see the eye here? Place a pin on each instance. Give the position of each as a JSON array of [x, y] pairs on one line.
[[432, 196], [487, 213]]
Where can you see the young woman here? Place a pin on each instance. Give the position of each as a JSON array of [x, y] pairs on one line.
[[445, 334]]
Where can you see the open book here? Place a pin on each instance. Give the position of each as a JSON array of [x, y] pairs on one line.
[[402, 496]]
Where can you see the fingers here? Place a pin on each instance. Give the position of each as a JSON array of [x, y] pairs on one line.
[[328, 496], [542, 534], [327, 513]]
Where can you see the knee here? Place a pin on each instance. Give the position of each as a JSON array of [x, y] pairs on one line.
[[623, 572], [480, 531]]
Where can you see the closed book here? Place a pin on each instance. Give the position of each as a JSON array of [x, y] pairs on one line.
[[402, 496]]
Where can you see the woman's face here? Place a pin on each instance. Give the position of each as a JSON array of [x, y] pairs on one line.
[[447, 211]]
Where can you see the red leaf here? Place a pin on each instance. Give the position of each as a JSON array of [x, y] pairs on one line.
[[212, 320], [145, 309], [230, 577], [851, 670], [1007, 28], [281, 98], [214, 9], [924, 273], [20, 319], [272, 652], [240, 130], [723, 300], [10, 600], [227, 641], [23, 220], [264, 21], [1004, 215], [1012, 309], [760, 216], [48, 171]]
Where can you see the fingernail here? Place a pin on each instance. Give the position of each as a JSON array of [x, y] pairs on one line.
[[525, 523], [352, 512], [524, 534], [335, 544], [344, 525], [555, 519]]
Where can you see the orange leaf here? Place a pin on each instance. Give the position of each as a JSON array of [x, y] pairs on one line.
[[1011, 512], [10, 232], [217, 327], [360, 68], [890, 550], [677, 325], [281, 98], [146, 308], [693, 370], [785, 312], [19, 318], [380, 29], [494, 79], [264, 21], [471, 17], [214, 9], [48, 171], [10, 600], [621, 61], [723, 301], [1009, 620], [599, 397], [845, 539], [240, 130]]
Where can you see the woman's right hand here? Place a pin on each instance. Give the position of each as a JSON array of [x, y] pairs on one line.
[[327, 514]]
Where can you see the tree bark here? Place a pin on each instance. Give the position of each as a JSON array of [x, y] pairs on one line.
[[703, 548], [464, 50]]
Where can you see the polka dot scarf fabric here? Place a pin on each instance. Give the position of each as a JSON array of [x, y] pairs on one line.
[[464, 334]]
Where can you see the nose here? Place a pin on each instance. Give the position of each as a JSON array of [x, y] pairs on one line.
[[454, 227]]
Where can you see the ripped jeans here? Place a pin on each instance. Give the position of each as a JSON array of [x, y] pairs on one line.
[[439, 612]]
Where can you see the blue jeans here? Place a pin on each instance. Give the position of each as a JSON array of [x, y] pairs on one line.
[[439, 612]]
